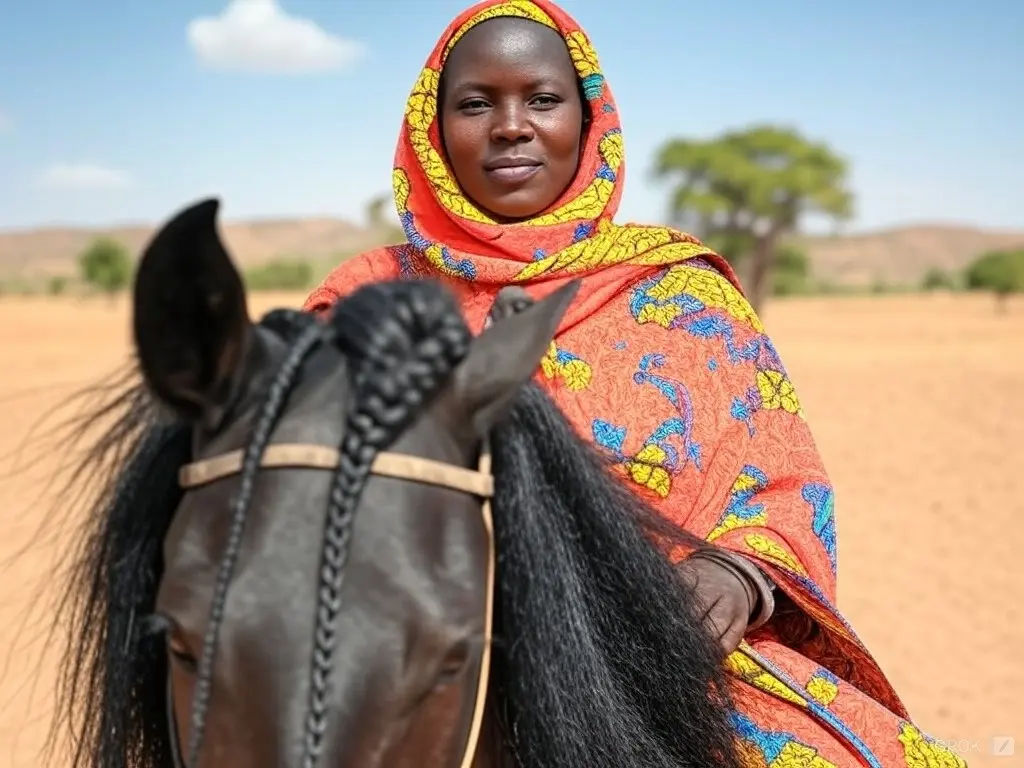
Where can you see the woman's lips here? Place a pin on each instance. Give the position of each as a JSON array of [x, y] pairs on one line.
[[513, 174]]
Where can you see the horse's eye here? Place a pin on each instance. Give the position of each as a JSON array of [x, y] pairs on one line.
[[453, 664], [179, 651]]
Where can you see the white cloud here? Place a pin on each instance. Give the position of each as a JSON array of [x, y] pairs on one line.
[[258, 36], [84, 177]]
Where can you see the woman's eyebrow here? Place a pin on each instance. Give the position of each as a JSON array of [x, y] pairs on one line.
[[538, 83]]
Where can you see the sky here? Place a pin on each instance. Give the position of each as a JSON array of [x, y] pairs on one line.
[[121, 111]]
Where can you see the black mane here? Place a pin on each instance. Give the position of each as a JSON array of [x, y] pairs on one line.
[[110, 694], [111, 688], [603, 658]]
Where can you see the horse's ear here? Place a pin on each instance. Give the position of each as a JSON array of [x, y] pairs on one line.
[[506, 355], [190, 321]]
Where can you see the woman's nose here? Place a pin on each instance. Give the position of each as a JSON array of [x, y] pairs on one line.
[[512, 124]]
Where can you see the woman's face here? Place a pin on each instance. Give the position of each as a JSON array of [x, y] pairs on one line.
[[511, 117]]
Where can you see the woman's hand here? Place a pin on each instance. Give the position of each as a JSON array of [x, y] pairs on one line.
[[726, 595]]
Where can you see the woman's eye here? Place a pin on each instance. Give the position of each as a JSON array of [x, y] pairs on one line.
[[545, 100], [473, 105]]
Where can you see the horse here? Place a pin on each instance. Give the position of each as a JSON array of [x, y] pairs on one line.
[[367, 539]]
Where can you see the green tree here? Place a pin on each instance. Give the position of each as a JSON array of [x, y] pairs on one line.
[[792, 272], [1001, 272], [750, 188], [106, 265], [734, 246]]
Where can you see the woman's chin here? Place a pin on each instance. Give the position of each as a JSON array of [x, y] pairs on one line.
[[516, 207]]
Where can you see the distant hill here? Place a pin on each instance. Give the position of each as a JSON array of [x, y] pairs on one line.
[[894, 256], [901, 256], [53, 251]]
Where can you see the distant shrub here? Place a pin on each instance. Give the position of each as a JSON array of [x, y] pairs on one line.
[[1001, 272], [832, 288], [880, 287], [57, 285], [106, 265], [936, 279], [280, 275], [15, 287]]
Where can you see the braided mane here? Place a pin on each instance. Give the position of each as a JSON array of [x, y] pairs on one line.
[[401, 341], [602, 660]]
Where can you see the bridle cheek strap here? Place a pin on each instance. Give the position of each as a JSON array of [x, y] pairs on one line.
[[400, 466], [480, 703]]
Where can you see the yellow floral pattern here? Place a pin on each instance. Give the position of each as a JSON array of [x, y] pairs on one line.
[[420, 113], [400, 185], [732, 522], [646, 468], [574, 373], [922, 752], [823, 687], [614, 244], [592, 201], [749, 671], [743, 510], [796, 755], [522, 9], [777, 392], [773, 552], [584, 57], [687, 296], [707, 286]]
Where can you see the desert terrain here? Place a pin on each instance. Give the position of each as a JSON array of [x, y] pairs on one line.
[[898, 257], [915, 402]]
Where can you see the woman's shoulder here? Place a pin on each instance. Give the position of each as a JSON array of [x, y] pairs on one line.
[[368, 267], [700, 294]]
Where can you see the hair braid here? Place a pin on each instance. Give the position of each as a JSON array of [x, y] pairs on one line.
[[274, 401], [398, 361]]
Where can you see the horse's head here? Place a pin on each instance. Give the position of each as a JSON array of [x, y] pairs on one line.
[[317, 610]]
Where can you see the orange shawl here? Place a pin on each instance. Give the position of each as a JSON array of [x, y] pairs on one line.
[[664, 365]]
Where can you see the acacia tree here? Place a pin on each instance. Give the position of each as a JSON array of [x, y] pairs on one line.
[[1001, 272], [746, 190], [106, 265]]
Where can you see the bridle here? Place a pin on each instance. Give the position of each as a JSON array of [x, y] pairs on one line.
[[478, 482]]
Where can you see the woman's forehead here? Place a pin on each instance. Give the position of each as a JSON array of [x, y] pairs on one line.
[[509, 40]]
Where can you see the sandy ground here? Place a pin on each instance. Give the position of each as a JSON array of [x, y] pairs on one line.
[[916, 405]]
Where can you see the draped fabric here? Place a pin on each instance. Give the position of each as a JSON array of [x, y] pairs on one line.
[[663, 364]]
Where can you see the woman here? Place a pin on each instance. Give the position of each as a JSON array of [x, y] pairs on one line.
[[508, 172]]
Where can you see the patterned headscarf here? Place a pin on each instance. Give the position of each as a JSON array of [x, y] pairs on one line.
[[575, 237]]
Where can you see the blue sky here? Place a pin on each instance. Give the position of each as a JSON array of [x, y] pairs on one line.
[[112, 111]]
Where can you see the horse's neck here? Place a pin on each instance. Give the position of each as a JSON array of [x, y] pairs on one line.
[[490, 752], [484, 758]]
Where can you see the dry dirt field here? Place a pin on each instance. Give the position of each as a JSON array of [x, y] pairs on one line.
[[916, 404], [898, 256]]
